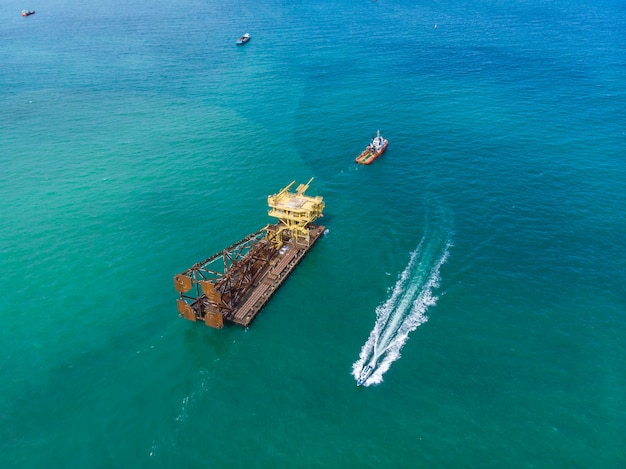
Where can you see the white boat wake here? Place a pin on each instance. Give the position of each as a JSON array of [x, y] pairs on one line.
[[402, 312]]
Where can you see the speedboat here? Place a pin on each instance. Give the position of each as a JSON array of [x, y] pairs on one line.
[[27, 12], [365, 373], [377, 147], [243, 39]]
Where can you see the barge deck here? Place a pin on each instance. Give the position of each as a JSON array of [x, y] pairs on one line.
[[275, 274]]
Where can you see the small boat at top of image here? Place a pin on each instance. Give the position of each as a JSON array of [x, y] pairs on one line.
[[377, 147], [28, 12], [243, 39], [365, 373]]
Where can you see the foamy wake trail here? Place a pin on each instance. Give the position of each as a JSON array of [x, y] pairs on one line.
[[404, 310]]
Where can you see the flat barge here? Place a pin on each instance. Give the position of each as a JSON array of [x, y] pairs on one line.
[[235, 284]]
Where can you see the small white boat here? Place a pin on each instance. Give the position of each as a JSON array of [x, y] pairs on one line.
[[243, 39], [365, 373]]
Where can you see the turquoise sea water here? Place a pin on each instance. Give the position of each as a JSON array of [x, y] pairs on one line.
[[136, 140]]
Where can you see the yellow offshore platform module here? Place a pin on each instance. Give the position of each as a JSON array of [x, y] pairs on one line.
[[234, 284]]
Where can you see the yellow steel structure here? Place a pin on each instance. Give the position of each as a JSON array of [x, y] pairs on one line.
[[294, 211], [234, 284]]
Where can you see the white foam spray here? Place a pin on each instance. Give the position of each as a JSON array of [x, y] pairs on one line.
[[404, 310]]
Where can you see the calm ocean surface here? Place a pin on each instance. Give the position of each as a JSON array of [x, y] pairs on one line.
[[137, 139]]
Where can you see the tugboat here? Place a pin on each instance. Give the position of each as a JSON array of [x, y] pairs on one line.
[[28, 12], [377, 147], [243, 39]]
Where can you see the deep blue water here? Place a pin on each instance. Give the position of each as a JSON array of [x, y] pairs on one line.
[[136, 140]]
